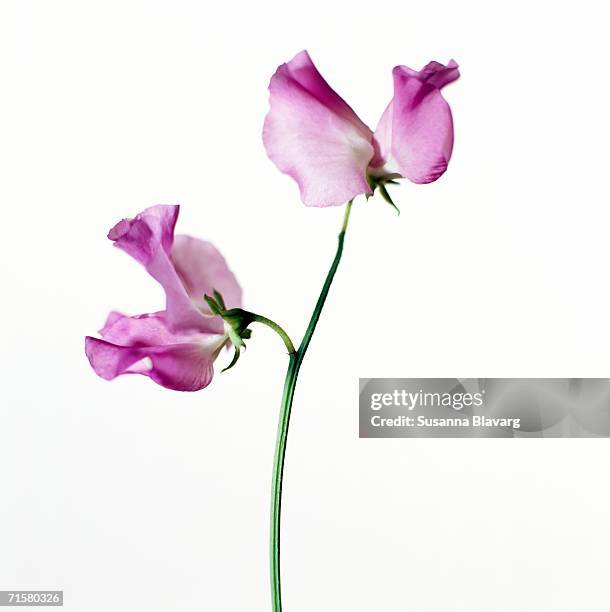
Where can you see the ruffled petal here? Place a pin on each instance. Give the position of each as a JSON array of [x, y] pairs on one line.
[[181, 367], [142, 330], [202, 269], [149, 238], [145, 345], [147, 232], [312, 135], [415, 134]]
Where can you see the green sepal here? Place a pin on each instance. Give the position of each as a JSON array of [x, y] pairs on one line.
[[372, 184], [386, 196], [234, 360], [213, 304], [381, 182], [235, 338], [219, 299], [237, 322], [238, 319]]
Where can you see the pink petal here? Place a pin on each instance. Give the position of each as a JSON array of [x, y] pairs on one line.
[[149, 238], [381, 164], [312, 135], [142, 330], [181, 367], [202, 268], [152, 229], [415, 134], [145, 345]]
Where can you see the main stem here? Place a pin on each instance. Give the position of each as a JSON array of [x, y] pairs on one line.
[[294, 365]]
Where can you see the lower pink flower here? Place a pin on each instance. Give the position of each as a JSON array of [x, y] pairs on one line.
[[176, 347]]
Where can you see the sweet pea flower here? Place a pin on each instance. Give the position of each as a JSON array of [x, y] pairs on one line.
[[312, 135], [176, 347]]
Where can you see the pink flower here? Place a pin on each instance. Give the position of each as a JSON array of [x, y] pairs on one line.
[[176, 347], [311, 134]]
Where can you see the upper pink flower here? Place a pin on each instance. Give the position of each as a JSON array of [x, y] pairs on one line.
[[176, 347], [311, 133]]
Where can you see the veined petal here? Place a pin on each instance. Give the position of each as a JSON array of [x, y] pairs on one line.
[[312, 135], [415, 133], [142, 330], [147, 232], [202, 269], [145, 345], [149, 238], [181, 367]]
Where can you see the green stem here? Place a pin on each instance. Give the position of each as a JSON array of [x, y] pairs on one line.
[[294, 365], [276, 328]]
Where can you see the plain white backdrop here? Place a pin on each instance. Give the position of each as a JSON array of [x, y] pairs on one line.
[[130, 497]]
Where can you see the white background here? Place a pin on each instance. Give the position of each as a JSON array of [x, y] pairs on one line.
[[131, 497]]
